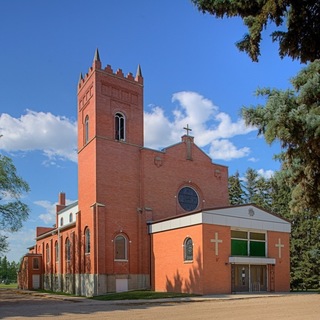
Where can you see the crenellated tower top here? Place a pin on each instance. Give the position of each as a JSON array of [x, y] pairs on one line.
[[97, 66], [103, 97]]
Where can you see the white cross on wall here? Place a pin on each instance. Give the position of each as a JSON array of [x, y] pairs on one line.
[[216, 242], [279, 245]]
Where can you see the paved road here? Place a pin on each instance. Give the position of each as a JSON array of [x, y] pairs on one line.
[[19, 305]]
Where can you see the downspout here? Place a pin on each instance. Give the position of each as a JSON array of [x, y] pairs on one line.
[[59, 257], [150, 256], [97, 244]]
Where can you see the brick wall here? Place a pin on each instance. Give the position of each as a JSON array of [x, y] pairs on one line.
[[171, 273], [282, 266]]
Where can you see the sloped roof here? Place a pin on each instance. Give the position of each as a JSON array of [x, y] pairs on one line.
[[243, 217]]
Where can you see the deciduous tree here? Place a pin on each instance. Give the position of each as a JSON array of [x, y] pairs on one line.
[[12, 210], [8, 270]]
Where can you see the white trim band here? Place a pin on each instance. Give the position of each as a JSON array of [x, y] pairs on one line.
[[251, 260]]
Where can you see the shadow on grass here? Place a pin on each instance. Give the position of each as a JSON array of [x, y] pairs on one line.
[[140, 295], [20, 304]]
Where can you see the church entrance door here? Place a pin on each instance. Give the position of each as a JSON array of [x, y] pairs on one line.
[[258, 278], [240, 278], [249, 278]]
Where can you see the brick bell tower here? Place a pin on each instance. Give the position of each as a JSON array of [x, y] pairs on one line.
[[110, 137]]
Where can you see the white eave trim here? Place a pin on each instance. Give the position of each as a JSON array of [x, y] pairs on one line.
[[55, 231], [223, 218], [251, 260]]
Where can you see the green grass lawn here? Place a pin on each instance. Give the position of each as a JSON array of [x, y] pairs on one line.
[[144, 294], [8, 286], [129, 295]]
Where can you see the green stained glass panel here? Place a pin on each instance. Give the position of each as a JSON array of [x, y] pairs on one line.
[[239, 247], [257, 249]]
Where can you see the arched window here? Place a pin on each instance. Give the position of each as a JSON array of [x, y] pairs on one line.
[[119, 126], [87, 240], [120, 248], [188, 249], [56, 249], [47, 253], [86, 129], [70, 217], [68, 250]]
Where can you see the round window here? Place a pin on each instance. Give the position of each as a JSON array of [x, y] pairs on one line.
[[188, 199]]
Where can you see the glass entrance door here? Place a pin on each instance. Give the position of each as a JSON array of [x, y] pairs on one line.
[[258, 278], [241, 278], [249, 278]]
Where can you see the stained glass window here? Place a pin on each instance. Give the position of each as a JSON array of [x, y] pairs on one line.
[[120, 247], [119, 126], [87, 240], [56, 249], [86, 130], [245, 243], [188, 249], [68, 250], [48, 253], [188, 199]]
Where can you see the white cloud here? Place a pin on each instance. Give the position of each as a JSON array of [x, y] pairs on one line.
[[157, 128], [265, 173], [50, 211], [225, 150], [197, 108], [49, 216], [19, 242], [55, 136], [210, 127]]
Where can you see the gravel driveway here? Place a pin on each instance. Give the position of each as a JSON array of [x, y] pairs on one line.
[[15, 304]]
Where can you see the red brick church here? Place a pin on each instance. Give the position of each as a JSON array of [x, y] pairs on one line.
[[148, 218]]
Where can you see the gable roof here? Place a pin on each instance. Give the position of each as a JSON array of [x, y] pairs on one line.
[[247, 216]]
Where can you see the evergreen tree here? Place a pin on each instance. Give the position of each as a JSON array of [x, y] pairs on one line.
[[253, 188], [257, 189], [280, 194], [274, 194], [305, 236], [236, 193], [12, 211], [299, 22], [293, 118], [251, 178], [305, 251], [263, 198]]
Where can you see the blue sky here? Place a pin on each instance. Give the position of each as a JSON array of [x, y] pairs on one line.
[[193, 74]]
